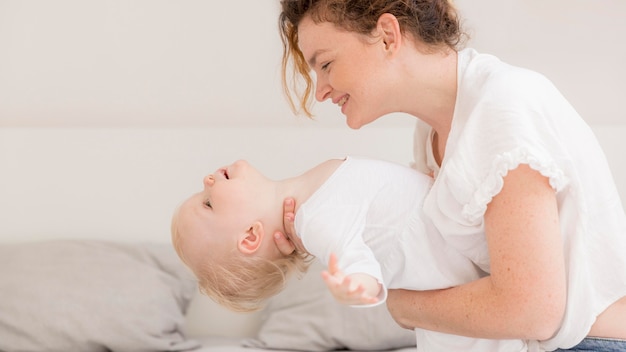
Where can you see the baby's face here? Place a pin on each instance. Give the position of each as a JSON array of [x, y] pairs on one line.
[[212, 220]]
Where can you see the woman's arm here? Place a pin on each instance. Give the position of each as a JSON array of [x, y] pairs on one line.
[[525, 295]]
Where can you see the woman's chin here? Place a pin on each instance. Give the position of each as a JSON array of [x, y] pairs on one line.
[[353, 122], [357, 123]]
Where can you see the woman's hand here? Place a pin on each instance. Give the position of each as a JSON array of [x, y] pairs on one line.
[[355, 289], [288, 242]]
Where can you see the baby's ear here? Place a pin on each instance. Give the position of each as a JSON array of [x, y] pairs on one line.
[[250, 241]]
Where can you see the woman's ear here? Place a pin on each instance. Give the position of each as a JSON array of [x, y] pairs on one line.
[[251, 240], [389, 30]]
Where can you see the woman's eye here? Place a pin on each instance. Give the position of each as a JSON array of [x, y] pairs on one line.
[[325, 66]]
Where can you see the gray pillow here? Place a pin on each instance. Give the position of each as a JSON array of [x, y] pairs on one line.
[[306, 317], [73, 295]]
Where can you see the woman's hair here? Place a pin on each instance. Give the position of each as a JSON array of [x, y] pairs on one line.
[[237, 282], [434, 22]]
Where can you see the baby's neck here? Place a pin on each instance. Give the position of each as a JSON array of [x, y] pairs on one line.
[[300, 188], [303, 186]]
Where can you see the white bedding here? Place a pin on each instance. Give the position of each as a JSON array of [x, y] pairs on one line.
[[231, 344]]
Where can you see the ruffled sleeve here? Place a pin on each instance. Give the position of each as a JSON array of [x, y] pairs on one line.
[[492, 183]]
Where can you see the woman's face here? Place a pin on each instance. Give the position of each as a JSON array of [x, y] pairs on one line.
[[349, 70]]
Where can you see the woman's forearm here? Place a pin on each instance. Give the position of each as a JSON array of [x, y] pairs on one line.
[[477, 310]]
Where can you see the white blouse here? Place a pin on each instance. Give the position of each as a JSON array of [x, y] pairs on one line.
[[506, 116]]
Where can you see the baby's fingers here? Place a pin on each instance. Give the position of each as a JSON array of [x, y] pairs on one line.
[[332, 280], [333, 268], [283, 244], [340, 284]]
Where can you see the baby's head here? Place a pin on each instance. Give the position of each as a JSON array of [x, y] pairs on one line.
[[224, 235]]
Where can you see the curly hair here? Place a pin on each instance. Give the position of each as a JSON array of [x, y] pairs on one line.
[[434, 22], [238, 282]]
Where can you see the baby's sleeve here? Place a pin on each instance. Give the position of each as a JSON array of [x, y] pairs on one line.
[[338, 230]]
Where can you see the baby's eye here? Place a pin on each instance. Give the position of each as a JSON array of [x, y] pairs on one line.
[[208, 203]]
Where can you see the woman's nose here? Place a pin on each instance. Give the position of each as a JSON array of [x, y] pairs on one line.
[[209, 180], [322, 91]]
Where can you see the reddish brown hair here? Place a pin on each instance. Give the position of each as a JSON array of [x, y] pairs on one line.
[[434, 22]]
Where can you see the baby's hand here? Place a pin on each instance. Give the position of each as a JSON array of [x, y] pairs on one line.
[[288, 242], [355, 289]]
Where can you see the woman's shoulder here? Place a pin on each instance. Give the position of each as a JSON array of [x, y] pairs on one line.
[[501, 102], [472, 63], [487, 78]]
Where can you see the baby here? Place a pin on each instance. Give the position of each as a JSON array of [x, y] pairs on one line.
[[363, 217]]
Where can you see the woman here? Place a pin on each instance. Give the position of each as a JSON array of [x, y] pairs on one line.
[[522, 187]]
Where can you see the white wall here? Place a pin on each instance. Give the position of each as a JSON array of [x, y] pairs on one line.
[[578, 44], [162, 63], [111, 111]]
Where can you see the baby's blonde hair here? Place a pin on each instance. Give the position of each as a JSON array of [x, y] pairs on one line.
[[241, 283]]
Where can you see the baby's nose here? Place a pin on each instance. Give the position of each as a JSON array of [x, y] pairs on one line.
[[209, 180]]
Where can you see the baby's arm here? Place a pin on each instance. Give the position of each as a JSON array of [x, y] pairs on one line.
[[353, 289]]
